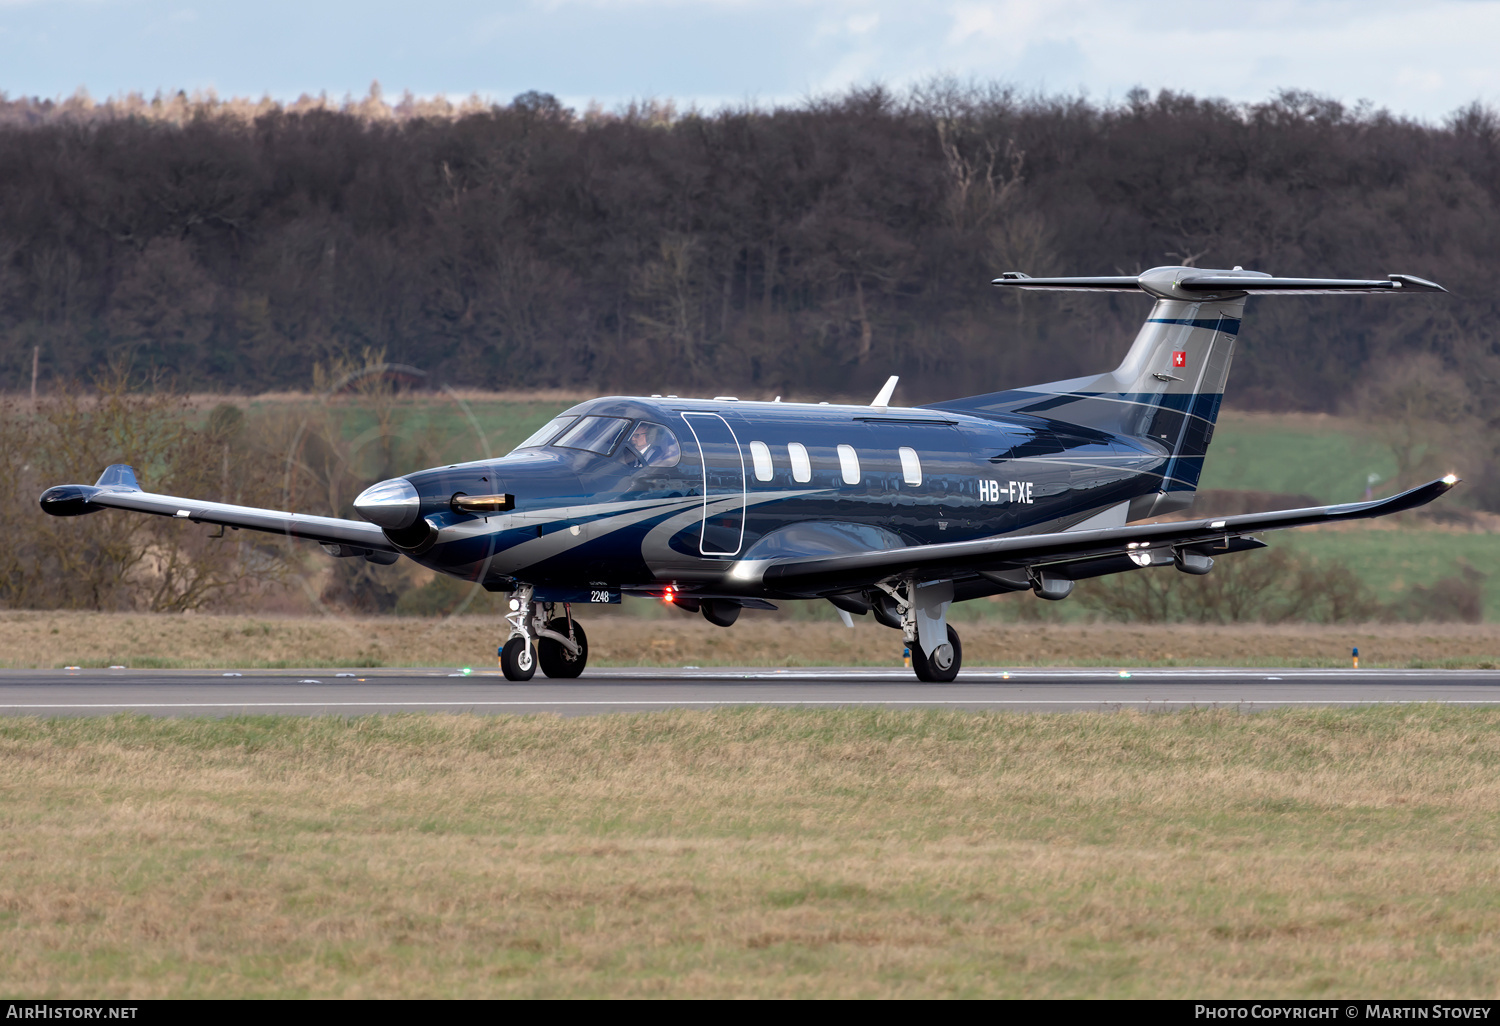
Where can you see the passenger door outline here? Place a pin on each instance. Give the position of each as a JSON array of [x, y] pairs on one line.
[[712, 425]]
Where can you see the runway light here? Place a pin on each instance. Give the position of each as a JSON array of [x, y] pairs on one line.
[[1124, 674], [467, 671]]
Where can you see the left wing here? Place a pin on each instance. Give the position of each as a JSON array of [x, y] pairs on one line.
[[117, 488], [1069, 553]]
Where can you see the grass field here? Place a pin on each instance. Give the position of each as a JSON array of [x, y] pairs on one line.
[[754, 853], [469, 426], [30, 640], [774, 853], [1391, 561], [1329, 458]]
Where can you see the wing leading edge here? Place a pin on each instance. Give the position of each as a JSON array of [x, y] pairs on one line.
[[1144, 545], [117, 489]]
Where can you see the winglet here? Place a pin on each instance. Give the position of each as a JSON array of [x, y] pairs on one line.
[[118, 475], [886, 391]]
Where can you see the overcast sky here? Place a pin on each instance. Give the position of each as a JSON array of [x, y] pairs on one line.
[[1423, 59]]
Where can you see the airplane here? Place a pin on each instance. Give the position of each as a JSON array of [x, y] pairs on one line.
[[718, 505]]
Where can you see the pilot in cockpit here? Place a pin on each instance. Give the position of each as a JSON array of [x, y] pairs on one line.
[[651, 445]]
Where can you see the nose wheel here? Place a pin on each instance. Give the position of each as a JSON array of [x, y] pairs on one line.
[[517, 659]]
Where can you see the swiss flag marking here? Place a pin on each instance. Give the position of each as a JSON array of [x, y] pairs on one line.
[[1179, 359]]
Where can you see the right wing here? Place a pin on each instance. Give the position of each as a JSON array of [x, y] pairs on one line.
[[117, 488], [1082, 552]]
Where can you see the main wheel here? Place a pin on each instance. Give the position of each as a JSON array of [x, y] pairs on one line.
[[554, 656], [517, 660], [944, 663]]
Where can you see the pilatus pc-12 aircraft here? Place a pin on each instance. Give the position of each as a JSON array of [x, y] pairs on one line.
[[718, 505]]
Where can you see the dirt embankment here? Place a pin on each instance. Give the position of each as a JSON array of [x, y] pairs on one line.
[[33, 639]]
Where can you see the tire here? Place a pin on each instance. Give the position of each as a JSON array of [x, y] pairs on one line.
[[557, 662], [517, 660], [931, 670]]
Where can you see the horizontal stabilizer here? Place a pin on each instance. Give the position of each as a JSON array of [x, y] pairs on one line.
[[1118, 283], [1218, 283], [1193, 283]]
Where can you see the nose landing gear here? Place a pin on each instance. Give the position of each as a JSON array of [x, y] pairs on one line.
[[557, 643], [517, 659]]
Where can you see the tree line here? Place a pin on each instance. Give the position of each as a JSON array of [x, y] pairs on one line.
[[799, 250]]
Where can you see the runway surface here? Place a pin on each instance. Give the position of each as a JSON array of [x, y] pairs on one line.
[[356, 692]]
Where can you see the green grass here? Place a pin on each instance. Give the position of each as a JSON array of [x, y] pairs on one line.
[[1331, 466], [754, 852], [1392, 561], [467, 429]]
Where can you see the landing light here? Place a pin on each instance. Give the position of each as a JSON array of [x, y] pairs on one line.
[[515, 604], [1450, 479]]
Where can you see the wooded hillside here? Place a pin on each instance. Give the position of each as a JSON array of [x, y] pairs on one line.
[[798, 250]]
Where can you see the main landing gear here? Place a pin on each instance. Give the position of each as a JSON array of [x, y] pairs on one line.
[[557, 643], [936, 652], [944, 663]]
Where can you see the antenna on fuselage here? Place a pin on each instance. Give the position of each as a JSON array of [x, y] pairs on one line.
[[883, 398]]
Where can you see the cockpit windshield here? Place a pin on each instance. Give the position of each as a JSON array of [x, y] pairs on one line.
[[545, 433], [651, 445], [594, 434]]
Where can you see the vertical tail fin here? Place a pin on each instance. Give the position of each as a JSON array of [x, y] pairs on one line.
[[1166, 393]]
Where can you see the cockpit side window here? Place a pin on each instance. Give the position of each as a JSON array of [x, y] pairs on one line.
[[545, 433], [651, 445], [594, 434]]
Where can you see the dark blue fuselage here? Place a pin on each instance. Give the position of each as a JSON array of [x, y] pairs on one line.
[[739, 491]]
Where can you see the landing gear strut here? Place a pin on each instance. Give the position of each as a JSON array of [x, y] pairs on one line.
[[936, 652], [557, 643]]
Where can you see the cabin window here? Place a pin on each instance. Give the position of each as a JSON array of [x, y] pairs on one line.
[[911, 467], [849, 464], [651, 445], [594, 434], [801, 465], [760, 454], [546, 433]]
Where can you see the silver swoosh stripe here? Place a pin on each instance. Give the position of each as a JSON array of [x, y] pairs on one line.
[[617, 516]]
